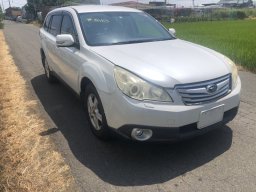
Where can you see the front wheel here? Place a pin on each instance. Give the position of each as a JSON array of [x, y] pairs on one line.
[[95, 113]]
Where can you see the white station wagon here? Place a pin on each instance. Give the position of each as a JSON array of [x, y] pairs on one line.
[[135, 77]]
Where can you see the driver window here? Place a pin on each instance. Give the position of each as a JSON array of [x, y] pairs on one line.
[[67, 27]]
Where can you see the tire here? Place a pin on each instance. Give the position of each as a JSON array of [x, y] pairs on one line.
[[48, 73], [95, 113]]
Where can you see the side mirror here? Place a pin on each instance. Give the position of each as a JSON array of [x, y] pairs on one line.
[[172, 31], [65, 40]]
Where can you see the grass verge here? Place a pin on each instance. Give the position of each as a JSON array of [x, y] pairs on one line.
[[28, 161], [235, 39]]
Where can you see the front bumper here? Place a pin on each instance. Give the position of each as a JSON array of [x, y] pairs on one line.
[[167, 121], [177, 133]]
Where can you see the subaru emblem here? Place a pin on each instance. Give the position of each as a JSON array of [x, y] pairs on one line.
[[212, 88]]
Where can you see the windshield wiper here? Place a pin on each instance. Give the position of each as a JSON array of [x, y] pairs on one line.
[[139, 41], [129, 42]]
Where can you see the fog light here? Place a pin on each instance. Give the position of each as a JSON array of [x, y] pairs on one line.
[[141, 134]]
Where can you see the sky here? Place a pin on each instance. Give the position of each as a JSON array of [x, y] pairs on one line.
[[187, 3], [14, 3]]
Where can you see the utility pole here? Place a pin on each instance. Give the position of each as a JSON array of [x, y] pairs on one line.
[[10, 3], [34, 6]]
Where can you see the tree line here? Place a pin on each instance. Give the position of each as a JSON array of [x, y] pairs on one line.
[[34, 6], [1, 17], [1, 14]]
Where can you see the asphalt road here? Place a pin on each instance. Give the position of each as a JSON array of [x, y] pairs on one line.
[[222, 160]]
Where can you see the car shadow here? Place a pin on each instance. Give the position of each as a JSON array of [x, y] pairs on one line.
[[120, 162]]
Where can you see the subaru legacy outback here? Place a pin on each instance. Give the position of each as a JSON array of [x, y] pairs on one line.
[[135, 77]]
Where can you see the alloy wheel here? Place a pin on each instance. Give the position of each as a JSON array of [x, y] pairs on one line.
[[94, 112]]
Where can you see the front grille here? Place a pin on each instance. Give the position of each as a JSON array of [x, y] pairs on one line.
[[196, 93]]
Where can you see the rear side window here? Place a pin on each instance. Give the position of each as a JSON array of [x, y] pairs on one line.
[[47, 22], [55, 25]]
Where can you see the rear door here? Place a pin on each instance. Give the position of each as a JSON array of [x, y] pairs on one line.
[[50, 39]]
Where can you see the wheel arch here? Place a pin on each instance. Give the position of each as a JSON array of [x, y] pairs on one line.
[[42, 55], [84, 82]]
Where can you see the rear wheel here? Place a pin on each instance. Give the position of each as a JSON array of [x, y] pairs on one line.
[[95, 113], [48, 72]]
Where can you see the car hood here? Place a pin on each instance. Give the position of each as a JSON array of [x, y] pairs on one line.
[[167, 63]]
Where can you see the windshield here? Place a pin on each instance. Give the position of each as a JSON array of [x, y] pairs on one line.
[[109, 28]]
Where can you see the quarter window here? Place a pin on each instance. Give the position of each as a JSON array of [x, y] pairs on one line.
[[55, 25]]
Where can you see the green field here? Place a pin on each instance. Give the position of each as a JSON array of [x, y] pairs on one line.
[[235, 39]]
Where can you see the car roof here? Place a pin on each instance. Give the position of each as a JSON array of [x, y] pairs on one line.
[[97, 8]]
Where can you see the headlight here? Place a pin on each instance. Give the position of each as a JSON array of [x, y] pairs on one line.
[[136, 88], [234, 71]]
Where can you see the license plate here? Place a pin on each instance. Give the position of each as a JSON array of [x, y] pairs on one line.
[[211, 116]]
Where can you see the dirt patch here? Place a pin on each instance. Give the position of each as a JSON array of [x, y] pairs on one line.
[[28, 160]]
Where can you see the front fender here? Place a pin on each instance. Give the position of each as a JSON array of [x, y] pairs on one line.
[[100, 74]]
